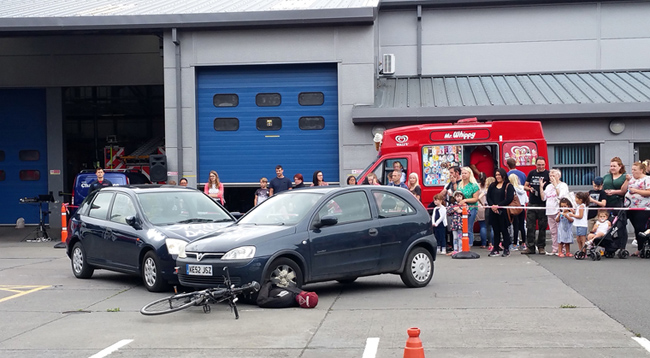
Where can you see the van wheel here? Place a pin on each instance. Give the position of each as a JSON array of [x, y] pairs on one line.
[[151, 276], [418, 270], [80, 267]]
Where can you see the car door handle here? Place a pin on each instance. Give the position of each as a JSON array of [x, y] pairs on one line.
[[373, 232]]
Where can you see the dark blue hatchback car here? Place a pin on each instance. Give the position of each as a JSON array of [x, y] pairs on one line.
[[318, 234], [140, 230]]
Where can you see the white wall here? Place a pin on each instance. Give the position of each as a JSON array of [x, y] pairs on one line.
[[536, 38], [351, 47]]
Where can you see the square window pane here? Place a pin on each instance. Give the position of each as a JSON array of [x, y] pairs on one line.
[[311, 123], [29, 155], [30, 175], [268, 99]]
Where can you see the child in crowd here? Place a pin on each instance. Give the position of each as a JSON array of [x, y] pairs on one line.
[[597, 199], [564, 231], [580, 218], [600, 227], [439, 218], [262, 193], [456, 213]]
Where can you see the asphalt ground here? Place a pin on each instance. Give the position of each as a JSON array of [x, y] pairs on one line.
[[537, 306]]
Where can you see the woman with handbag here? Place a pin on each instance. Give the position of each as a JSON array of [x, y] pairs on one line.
[[555, 190], [519, 220], [500, 194]]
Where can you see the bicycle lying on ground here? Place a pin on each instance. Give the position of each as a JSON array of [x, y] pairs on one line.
[[203, 298]]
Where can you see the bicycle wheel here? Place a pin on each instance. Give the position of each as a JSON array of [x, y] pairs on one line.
[[172, 303]]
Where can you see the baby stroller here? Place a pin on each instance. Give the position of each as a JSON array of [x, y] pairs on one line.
[[614, 240]]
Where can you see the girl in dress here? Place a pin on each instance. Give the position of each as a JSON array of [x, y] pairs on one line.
[[564, 219], [580, 218]]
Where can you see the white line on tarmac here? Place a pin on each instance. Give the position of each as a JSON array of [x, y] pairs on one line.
[[111, 349], [643, 342], [371, 347]]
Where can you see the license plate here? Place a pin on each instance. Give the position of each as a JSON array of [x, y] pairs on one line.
[[199, 270]]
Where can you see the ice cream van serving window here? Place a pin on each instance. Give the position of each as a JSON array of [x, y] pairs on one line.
[[436, 161], [225, 100], [269, 123]]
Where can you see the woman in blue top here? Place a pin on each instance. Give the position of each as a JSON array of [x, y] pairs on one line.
[[469, 187]]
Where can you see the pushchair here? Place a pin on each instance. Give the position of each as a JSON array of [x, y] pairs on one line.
[[613, 243]]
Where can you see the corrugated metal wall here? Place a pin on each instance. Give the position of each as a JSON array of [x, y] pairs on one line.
[[246, 154]]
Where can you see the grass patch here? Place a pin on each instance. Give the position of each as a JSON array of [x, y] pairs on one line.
[[568, 306], [117, 309]]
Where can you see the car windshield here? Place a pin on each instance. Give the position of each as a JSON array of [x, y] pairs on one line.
[[181, 207], [285, 209]]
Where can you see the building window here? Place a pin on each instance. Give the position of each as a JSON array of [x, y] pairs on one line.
[[2, 175], [225, 100], [311, 123], [311, 98], [268, 99], [30, 175], [578, 163], [29, 155], [2, 155], [269, 123], [226, 124]]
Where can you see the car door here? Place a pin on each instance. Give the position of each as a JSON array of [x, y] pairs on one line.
[[93, 228], [351, 246], [395, 225], [122, 240]]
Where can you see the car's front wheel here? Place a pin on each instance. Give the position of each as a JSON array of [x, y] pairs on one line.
[[284, 270], [419, 268], [151, 276], [80, 266]]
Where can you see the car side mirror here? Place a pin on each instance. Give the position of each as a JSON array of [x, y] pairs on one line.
[[327, 220], [133, 222]]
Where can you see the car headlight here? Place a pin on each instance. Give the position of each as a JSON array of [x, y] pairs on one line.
[[181, 253], [174, 246], [240, 253]]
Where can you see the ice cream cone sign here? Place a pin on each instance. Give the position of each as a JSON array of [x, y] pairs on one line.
[[377, 139]]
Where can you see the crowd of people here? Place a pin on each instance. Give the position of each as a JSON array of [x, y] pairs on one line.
[[547, 200], [571, 217]]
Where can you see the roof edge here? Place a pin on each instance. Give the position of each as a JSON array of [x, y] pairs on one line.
[[215, 20], [369, 114]]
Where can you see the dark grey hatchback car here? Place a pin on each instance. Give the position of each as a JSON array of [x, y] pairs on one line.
[[318, 234], [140, 230]]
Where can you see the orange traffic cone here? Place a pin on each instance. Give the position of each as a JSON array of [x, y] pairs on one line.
[[64, 227], [413, 347]]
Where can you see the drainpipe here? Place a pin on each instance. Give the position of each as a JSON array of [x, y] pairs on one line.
[[419, 40], [179, 106]]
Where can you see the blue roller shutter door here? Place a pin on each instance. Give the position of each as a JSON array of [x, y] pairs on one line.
[[23, 157], [260, 110]]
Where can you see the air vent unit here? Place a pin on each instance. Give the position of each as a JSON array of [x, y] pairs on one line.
[[388, 64]]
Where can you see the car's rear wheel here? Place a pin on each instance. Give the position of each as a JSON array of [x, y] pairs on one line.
[[284, 270], [419, 268], [80, 266], [151, 276]]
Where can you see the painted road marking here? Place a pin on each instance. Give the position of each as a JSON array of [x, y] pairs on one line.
[[106, 351], [372, 344], [643, 342], [19, 290]]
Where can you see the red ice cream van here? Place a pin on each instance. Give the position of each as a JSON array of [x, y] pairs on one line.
[[431, 149]]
